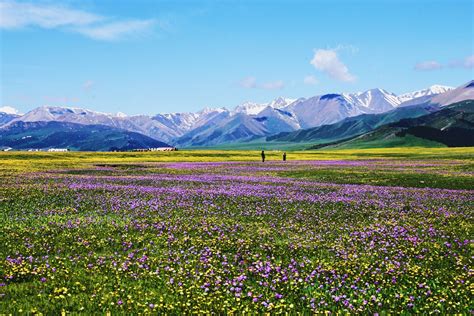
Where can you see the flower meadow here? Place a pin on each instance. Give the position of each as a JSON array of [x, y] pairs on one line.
[[235, 237]]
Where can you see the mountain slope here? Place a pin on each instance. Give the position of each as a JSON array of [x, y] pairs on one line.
[[431, 91], [352, 126], [40, 135], [6, 118], [224, 129], [452, 126], [373, 101], [9, 110], [140, 123], [449, 96], [464, 92]]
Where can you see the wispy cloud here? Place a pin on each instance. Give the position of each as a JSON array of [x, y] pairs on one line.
[[466, 63], [273, 85], [327, 61], [469, 62], [18, 15], [248, 83], [428, 65], [60, 100], [310, 80], [117, 30], [251, 83], [88, 85]]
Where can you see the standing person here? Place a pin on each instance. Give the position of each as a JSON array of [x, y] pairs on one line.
[[284, 156], [263, 156]]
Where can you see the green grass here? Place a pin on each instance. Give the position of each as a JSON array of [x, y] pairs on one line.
[[259, 144], [135, 233], [389, 142]]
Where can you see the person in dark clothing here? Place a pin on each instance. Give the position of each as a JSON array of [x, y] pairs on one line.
[[284, 156], [263, 156]]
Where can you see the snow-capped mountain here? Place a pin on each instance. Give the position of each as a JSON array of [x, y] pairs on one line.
[[280, 102], [373, 100], [462, 93], [213, 126], [252, 108], [9, 110], [139, 123], [433, 90], [8, 114], [6, 118]]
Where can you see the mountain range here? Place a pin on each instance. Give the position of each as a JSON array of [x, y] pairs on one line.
[[451, 126], [323, 118], [40, 135]]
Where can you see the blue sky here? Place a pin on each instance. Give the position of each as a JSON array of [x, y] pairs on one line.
[[149, 57]]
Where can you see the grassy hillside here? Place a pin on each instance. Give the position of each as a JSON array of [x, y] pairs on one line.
[[453, 126], [351, 126]]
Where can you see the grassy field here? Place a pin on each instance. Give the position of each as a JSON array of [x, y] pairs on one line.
[[356, 231], [30, 161]]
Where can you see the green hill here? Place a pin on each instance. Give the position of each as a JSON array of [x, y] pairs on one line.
[[352, 126], [452, 126]]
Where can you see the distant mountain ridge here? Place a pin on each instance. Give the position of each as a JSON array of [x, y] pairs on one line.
[[250, 121], [451, 126], [44, 135], [427, 103]]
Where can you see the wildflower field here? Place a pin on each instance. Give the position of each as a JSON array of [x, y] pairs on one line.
[[361, 231]]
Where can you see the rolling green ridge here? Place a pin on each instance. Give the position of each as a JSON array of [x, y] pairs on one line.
[[452, 126], [352, 126]]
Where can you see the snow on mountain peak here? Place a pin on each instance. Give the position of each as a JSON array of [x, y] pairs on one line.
[[439, 88], [208, 110], [373, 101], [280, 114], [250, 108], [280, 102], [9, 110], [434, 89]]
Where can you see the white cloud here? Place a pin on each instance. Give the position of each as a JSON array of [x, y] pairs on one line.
[[310, 80], [351, 48], [50, 100], [248, 83], [428, 65], [116, 30], [327, 61], [469, 62], [273, 85], [251, 83], [88, 85], [16, 15]]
